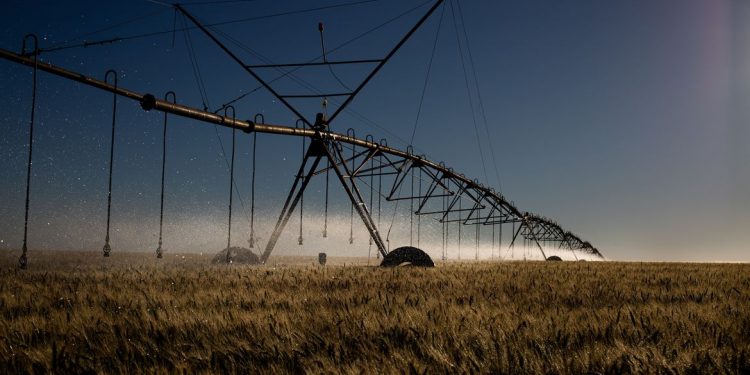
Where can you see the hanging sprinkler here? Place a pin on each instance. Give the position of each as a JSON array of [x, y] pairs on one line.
[[444, 225], [231, 186], [383, 143], [324, 103], [299, 124], [419, 217], [350, 133], [159, 250], [369, 138], [22, 261], [107, 249], [251, 241]]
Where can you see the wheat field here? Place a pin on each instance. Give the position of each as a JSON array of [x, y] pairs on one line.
[[78, 312]]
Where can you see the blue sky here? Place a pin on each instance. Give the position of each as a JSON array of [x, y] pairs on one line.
[[626, 121]]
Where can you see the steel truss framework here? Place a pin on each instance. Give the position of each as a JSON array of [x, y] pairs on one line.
[[460, 199]]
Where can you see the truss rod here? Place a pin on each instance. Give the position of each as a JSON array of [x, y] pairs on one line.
[[298, 96], [292, 65]]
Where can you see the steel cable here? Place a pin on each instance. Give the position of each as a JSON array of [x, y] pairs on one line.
[[468, 92], [479, 96], [427, 75]]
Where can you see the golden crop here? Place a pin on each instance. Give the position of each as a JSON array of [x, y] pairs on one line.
[[77, 312]]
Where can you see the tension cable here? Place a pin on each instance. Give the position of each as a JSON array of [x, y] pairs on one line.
[[468, 92], [479, 95], [427, 76]]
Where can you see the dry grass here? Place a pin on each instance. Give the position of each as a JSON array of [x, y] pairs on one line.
[[75, 313]]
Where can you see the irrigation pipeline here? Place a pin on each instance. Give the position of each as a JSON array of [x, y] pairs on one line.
[[149, 102]]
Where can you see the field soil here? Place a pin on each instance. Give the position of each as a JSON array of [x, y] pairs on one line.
[[78, 312]]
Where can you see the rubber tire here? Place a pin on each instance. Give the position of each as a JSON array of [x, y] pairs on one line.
[[407, 255]]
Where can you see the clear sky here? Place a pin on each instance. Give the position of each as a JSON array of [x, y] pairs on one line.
[[625, 121]]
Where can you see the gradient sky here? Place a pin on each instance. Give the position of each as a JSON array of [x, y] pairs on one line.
[[625, 121]]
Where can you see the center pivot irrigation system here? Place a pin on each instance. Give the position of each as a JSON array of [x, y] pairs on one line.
[[443, 193]]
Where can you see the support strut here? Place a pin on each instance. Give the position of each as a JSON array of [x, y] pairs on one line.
[[294, 196], [329, 149]]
